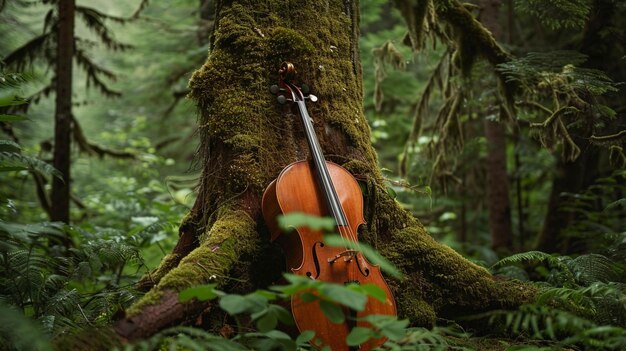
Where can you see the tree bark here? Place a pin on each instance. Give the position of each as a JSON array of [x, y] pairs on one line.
[[60, 210], [498, 202], [246, 140]]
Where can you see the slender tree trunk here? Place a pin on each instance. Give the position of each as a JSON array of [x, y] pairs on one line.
[[498, 201], [60, 210]]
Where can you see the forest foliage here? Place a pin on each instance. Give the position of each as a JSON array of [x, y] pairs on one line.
[[561, 87]]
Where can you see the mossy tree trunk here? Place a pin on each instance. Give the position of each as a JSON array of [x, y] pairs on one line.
[[246, 140]]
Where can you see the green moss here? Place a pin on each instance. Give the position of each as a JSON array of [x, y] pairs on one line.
[[287, 42], [152, 297], [232, 236], [167, 264]]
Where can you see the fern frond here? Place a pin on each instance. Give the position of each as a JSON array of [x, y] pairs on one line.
[[13, 80], [9, 146], [592, 268], [557, 14], [527, 256], [532, 68], [560, 273], [26, 54], [93, 72], [12, 161], [94, 20]]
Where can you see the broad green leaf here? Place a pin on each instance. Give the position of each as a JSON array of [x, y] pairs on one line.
[[12, 100], [332, 311], [266, 294], [308, 297], [297, 219], [359, 335], [282, 314], [305, 337], [355, 300], [235, 304], [12, 168], [12, 118], [200, 292], [278, 335], [374, 291], [267, 322], [388, 326]]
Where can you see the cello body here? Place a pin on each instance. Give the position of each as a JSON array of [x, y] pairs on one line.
[[321, 188]]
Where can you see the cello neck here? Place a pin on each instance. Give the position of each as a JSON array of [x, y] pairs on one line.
[[325, 182]]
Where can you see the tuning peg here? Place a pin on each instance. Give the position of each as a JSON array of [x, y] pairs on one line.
[[275, 89], [304, 89], [311, 98], [281, 99]]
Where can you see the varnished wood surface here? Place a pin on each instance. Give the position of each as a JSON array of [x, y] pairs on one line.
[[295, 190]]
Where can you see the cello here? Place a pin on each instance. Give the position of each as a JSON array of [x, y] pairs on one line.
[[321, 188]]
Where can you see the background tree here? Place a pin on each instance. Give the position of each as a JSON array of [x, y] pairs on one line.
[[60, 209], [58, 38]]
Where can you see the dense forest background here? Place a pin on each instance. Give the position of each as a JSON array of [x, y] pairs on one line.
[[514, 160]]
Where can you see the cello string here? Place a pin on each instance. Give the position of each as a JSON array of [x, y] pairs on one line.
[[346, 234]]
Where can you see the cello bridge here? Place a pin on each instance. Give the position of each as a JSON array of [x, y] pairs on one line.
[[348, 254]]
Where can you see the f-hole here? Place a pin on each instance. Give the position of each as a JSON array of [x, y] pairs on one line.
[[316, 260]]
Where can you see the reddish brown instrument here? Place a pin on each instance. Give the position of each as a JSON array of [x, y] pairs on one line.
[[321, 188]]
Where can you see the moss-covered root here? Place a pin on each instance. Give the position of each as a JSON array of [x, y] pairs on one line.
[[230, 240], [440, 282]]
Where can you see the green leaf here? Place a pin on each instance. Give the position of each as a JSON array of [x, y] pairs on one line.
[[282, 314], [12, 100], [305, 337], [267, 322], [359, 335], [200, 292], [268, 318], [13, 159], [235, 304], [297, 219], [308, 297], [12, 118], [12, 168], [620, 202], [355, 300], [372, 290], [388, 326], [277, 335], [332, 311]]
